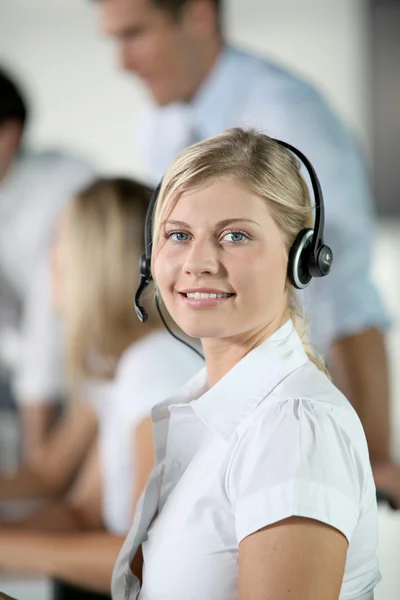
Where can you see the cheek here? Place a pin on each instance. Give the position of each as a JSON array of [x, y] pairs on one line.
[[151, 50], [143, 54], [164, 273], [172, 56], [263, 271], [158, 48]]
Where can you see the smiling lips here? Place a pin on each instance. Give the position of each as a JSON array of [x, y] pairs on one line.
[[198, 295], [205, 298]]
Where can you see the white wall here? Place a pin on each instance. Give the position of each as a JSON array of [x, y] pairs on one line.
[[83, 102]]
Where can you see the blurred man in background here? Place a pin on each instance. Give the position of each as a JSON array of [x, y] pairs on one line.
[[33, 189], [199, 86]]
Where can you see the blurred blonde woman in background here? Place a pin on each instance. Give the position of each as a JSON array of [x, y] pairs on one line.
[[262, 487], [89, 471]]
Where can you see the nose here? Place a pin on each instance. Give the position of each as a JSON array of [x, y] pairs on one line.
[[202, 259]]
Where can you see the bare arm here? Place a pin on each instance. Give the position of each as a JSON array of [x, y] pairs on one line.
[[78, 510], [83, 559], [72, 544], [56, 461], [360, 370], [36, 421], [295, 559], [57, 516]]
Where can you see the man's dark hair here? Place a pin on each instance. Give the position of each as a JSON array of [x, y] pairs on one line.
[[12, 102], [175, 6]]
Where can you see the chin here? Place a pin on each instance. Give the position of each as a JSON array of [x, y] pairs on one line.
[[205, 330], [162, 97]]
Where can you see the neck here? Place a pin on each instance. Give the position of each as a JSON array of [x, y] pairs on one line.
[[209, 59], [4, 170], [222, 355]]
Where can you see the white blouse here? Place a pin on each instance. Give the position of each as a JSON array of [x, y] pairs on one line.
[[149, 371], [274, 438]]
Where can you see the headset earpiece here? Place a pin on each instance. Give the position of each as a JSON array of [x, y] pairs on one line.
[[324, 260], [299, 258], [301, 266]]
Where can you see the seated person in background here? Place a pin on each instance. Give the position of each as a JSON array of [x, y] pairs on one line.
[[88, 469], [263, 488], [34, 188]]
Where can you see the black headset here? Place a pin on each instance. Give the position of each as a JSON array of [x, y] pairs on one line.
[[308, 257]]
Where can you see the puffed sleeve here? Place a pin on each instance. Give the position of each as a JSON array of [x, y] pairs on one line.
[[299, 458]]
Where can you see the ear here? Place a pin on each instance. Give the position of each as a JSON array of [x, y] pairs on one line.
[[200, 18]]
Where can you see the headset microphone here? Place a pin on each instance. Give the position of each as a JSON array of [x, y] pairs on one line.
[[145, 260], [146, 276], [145, 280]]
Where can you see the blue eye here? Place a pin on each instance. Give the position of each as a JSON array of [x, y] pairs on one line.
[[178, 236], [235, 237]]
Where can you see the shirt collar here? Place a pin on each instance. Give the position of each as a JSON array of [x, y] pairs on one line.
[[243, 388]]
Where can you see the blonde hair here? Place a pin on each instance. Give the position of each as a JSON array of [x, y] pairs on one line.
[[264, 167], [103, 242]]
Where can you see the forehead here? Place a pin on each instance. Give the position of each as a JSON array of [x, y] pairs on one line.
[[118, 16], [219, 200]]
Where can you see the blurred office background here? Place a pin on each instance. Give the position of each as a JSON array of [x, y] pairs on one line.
[[349, 48]]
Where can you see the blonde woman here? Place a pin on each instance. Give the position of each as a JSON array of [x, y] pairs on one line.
[[262, 487], [89, 470]]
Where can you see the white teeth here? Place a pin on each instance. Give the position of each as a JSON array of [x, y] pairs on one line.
[[201, 295]]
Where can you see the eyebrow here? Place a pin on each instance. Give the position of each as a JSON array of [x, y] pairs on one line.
[[223, 223]]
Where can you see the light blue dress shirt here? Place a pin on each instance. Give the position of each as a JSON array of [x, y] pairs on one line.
[[247, 91]]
